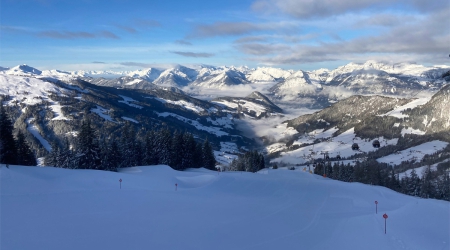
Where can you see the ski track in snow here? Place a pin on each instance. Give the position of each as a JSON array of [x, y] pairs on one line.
[[35, 132]]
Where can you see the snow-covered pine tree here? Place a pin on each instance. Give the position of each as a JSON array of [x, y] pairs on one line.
[[88, 150], [8, 151], [25, 155]]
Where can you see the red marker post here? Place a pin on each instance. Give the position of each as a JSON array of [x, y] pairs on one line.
[[176, 186], [385, 218], [376, 207], [120, 183]]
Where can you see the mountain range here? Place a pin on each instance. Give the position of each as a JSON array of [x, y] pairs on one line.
[[400, 105]]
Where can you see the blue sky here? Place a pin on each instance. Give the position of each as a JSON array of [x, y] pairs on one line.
[[291, 34]]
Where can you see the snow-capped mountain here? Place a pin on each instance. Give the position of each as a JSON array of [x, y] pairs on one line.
[[371, 77], [149, 74], [296, 84], [267, 74], [220, 78], [23, 70], [176, 77]]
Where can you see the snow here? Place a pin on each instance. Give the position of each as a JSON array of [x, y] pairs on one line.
[[129, 119], [56, 108], [133, 82], [182, 103], [35, 132], [27, 90], [339, 145], [226, 122], [50, 208], [412, 131], [316, 134], [228, 152], [102, 112], [129, 101], [397, 112], [73, 133], [414, 153], [227, 104], [420, 170], [212, 130]]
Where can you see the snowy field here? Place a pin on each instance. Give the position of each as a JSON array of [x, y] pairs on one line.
[[414, 153], [339, 145], [53, 209]]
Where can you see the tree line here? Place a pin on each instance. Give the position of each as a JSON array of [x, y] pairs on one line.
[[432, 184], [13, 149], [131, 148], [250, 161]]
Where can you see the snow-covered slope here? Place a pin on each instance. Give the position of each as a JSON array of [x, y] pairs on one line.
[[27, 90], [255, 105], [48, 208]]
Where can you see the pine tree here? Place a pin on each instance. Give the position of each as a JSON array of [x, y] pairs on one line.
[[413, 184], [51, 159], [26, 156], [138, 153], [176, 151], [88, 150], [111, 156], [197, 157], [188, 151], [208, 159], [66, 157], [163, 146], [427, 188], [127, 146], [8, 151], [150, 154]]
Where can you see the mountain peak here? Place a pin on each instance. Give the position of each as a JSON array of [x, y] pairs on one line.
[[23, 69]]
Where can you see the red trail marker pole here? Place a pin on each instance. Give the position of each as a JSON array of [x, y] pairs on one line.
[[120, 183], [385, 218], [376, 207]]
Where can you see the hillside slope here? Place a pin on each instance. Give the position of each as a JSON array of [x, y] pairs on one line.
[[48, 208]]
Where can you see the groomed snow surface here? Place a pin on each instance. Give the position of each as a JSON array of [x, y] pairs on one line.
[[49, 208]]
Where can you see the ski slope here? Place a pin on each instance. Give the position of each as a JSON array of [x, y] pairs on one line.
[[49, 208]]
